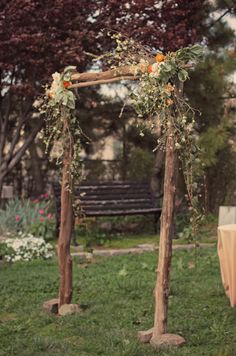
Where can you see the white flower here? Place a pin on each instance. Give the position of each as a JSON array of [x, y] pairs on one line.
[[190, 127], [143, 64], [154, 74], [37, 103], [56, 84], [27, 248], [17, 258], [156, 67]]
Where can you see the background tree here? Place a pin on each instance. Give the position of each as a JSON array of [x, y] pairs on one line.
[[38, 38], [209, 90]]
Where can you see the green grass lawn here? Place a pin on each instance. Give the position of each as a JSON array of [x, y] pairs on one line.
[[133, 240], [207, 234], [118, 294]]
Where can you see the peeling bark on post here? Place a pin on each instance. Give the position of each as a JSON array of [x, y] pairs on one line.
[[66, 228]]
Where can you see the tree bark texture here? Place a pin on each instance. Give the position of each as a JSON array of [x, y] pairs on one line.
[[165, 248], [111, 74], [66, 229], [14, 155]]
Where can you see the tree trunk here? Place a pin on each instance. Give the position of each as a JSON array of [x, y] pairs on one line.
[[7, 164], [36, 169], [66, 229]]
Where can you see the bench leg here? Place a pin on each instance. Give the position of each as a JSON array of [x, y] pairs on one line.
[[156, 219], [73, 238]]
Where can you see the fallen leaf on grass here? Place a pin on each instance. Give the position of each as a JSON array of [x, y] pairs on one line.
[[191, 264]]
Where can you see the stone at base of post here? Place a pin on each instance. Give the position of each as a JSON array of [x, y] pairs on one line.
[[51, 306], [167, 340], [69, 309], [163, 340], [145, 336]]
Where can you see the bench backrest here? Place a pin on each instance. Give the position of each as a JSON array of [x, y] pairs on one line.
[[112, 198]]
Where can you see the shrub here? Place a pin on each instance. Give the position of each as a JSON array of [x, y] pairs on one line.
[[141, 163], [28, 216], [25, 248]]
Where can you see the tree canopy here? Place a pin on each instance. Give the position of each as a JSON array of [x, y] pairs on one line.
[[40, 37]]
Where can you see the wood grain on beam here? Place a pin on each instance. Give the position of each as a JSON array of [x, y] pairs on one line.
[[106, 75]]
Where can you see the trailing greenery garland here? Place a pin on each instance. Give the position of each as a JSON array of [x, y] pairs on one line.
[[62, 126], [159, 103]]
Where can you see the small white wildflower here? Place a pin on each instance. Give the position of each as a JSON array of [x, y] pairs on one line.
[[17, 258], [37, 103]]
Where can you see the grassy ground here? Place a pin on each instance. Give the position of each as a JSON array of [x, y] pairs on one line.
[[129, 241], [207, 234], [117, 297]]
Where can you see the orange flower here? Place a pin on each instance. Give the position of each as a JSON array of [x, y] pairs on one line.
[[66, 84], [160, 57], [169, 102], [149, 69], [169, 88]]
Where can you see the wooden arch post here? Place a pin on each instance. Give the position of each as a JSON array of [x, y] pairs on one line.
[[158, 336], [67, 216]]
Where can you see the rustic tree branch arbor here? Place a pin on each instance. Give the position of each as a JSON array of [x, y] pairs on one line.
[[159, 98]]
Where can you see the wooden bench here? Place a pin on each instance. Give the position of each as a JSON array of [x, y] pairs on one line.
[[112, 199]]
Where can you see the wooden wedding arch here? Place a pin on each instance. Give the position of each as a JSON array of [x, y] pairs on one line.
[[158, 334]]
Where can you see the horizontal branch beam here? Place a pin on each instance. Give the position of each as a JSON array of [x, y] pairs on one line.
[[108, 74], [102, 81]]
